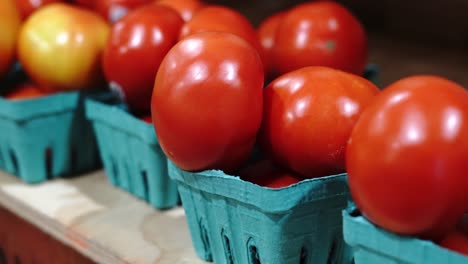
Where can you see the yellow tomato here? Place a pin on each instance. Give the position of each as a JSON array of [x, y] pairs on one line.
[[60, 47]]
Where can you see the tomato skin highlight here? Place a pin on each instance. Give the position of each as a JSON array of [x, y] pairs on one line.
[[321, 33], [408, 155], [207, 103], [137, 45], [308, 117]]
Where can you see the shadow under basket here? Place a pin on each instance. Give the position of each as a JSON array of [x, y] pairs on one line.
[[131, 154], [46, 137], [373, 245], [234, 221]]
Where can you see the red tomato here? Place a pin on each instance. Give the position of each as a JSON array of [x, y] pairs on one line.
[[60, 47], [320, 34], [186, 8], [222, 19], [266, 173], [308, 116], [113, 10], [25, 91], [85, 3], [456, 241], [9, 27], [27, 7], [136, 47], [408, 155], [266, 33], [147, 119], [207, 103]]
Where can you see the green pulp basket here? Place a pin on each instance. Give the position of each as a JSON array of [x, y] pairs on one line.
[[373, 245], [131, 154], [234, 221], [46, 137]]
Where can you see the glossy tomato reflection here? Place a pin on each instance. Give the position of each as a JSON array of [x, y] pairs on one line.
[[113, 10], [308, 117], [222, 19], [185, 8], [136, 47], [408, 156], [321, 33], [207, 102], [60, 47]]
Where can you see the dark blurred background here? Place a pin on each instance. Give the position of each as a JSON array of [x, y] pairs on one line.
[[406, 37]]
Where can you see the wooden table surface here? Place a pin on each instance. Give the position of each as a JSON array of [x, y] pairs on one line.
[[101, 221]]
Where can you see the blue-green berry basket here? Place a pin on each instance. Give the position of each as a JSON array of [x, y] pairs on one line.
[[131, 154], [373, 245], [234, 221], [46, 137]]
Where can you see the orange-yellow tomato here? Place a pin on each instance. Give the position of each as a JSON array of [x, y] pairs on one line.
[[60, 47], [9, 26]]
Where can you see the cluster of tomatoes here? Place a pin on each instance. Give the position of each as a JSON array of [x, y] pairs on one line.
[[201, 69]]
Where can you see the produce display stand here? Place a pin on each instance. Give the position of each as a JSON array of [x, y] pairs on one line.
[[100, 221]]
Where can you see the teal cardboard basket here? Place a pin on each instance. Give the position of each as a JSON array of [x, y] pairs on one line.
[[234, 221], [373, 245], [46, 137], [131, 154]]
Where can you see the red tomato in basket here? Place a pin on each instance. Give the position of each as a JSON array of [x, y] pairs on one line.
[[10, 23], [456, 241], [320, 33], [27, 7], [25, 91], [222, 19], [207, 102], [266, 173], [136, 47], [185, 8], [113, 10], [308, 116], [266, 33], [407, 157], [147, 119]]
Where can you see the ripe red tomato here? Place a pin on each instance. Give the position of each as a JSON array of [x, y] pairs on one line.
[[10, 23], [27, 7], [320, 34], [222, 19], [25, 91], [308, 116], [186, 8], [207, 103], [266, 173], [60, 47], [266, 33], [147, 119], [137, 45], [408, 155], [113, 10], [456, 241]]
